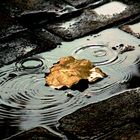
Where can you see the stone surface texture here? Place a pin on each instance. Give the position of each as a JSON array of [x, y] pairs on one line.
[[37, 133], [115, 118], [89, 22], [52, 21]]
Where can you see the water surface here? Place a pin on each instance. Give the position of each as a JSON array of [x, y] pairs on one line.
[[25, 101]]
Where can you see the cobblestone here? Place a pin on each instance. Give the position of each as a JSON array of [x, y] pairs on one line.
[[90, 21], [67, 22]]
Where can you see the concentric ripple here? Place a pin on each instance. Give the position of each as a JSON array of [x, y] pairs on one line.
[[98, 54], [31, 63], [27, 102]]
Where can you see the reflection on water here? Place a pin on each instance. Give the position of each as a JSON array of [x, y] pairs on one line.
[[111, 8], [25, 101]]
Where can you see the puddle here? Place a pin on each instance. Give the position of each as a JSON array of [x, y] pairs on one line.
[[135, 28], [25, 101], [111, 8]]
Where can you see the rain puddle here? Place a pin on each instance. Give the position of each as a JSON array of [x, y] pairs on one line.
[[25, 101], [111, 8], [135, 28]]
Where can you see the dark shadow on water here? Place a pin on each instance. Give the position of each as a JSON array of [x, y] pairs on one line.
[[134, 82], [7, 130], [7, 127], [81, 86]]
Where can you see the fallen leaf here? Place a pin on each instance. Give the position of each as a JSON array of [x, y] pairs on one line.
[[69, 71]]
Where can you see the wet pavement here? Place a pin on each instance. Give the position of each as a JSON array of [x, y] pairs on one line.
[[104, 120], [35, 34]]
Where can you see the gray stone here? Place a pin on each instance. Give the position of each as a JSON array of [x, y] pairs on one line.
[[111, 119], [24, 7], [37, 133], [80, 3], [44, 35], [32, 12], [83, 3], [127, 132], [9, 26], [90, 22], [23, 45]]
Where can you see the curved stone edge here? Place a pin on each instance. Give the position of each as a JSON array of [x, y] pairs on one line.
[[37, 133], [114, 118]]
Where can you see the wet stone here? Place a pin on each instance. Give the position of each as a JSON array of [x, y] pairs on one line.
[[38, 133], [29, 11], [15, 48], [44, 35], [92, 20], [115, 118], [21, 46], [130, 132], [9, 26], [128, 1], [133, 29], [79, 3]]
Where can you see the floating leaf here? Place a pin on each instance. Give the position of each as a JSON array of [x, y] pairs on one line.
[[70, 71]]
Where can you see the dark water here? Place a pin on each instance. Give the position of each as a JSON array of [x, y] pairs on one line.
[[25, 101]]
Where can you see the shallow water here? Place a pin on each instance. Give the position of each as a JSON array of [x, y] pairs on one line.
[[25, 101]]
